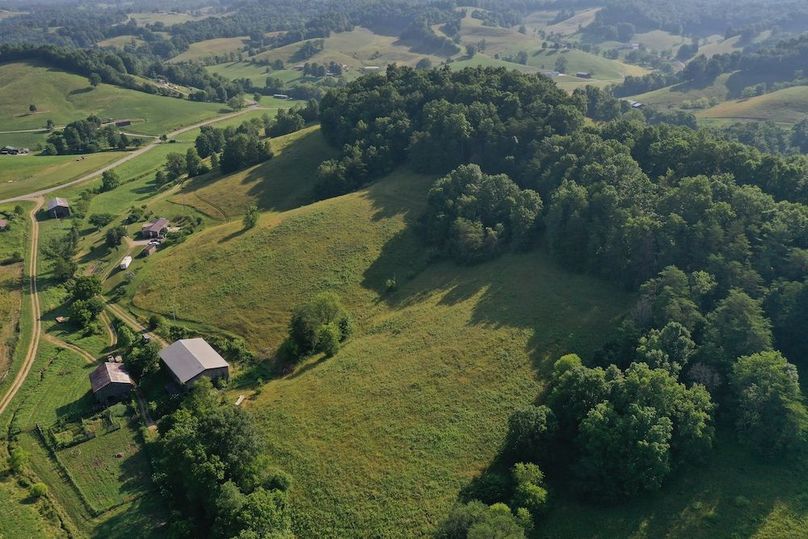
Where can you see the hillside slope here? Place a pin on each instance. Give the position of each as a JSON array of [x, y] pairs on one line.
[[64, 97], [381, 437]]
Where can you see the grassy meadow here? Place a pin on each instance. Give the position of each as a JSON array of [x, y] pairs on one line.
[[211, 47], [22, 174], [65, 97], [787, 106], [460, 346]]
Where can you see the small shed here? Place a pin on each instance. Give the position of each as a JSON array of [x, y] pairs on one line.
[[190, 359], [583, 75], [110, 382], [155, 229], [148, 251], [127, 260], [3, 224], [59, 207]]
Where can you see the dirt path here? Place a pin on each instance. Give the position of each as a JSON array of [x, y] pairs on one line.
[[128, 157], [33, 345], [72, 347]]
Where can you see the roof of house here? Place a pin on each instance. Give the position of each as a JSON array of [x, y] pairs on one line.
[[57, 203], [156, 226], [188, 358], [108, 373]]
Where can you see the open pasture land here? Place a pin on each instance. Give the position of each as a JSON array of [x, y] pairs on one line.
[[280, 184], [10, 306], [357, 48], [169, 18], [572, 25], [674, 96], [787, 106], [659, 40], [24, 174], [211, 47], [497, 39], [578, 60], [65, 97], [415, 404], [120, 42]]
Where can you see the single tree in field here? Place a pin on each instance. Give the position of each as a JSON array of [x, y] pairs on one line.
[[49, 125], [31, 108], [561, 64], [109, 181], [251, 217], [95, 79], [192, 162]]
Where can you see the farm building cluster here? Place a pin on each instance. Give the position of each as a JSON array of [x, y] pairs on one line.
[[187, 360], [13, 150]]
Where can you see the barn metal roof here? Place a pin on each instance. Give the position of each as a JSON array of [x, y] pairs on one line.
[[189, 357]]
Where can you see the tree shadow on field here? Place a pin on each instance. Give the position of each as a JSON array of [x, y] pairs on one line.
[[565, 312], [283, 183], [79, 91]]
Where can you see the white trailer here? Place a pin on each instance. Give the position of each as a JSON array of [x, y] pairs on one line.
[[125, 262]]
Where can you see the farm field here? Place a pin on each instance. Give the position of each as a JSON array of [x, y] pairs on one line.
[[169, 18], [659, 40], [65, 97], [787, 106], [571, 26], [486, 61], [25, 174], [10, 305], [450, 345]]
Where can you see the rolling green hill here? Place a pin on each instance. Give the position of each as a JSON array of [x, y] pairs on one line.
[[381, 437], [787, 106], [65, 97]]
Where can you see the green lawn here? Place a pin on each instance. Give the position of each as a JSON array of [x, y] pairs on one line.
[[578, 60], [65, 97]]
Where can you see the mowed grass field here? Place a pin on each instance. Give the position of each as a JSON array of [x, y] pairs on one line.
[[24, 174], [65, 97], [381, 437], [674, 96], [20, 514], [787, 106]]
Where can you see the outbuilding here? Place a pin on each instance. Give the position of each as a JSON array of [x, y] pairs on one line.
[[190, 359], [583, 75], [59, 207], [155, 229], [127, 260], [110, 382]]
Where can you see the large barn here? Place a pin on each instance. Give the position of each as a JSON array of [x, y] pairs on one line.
[[110, 382], [190, 359], [59, 207]]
